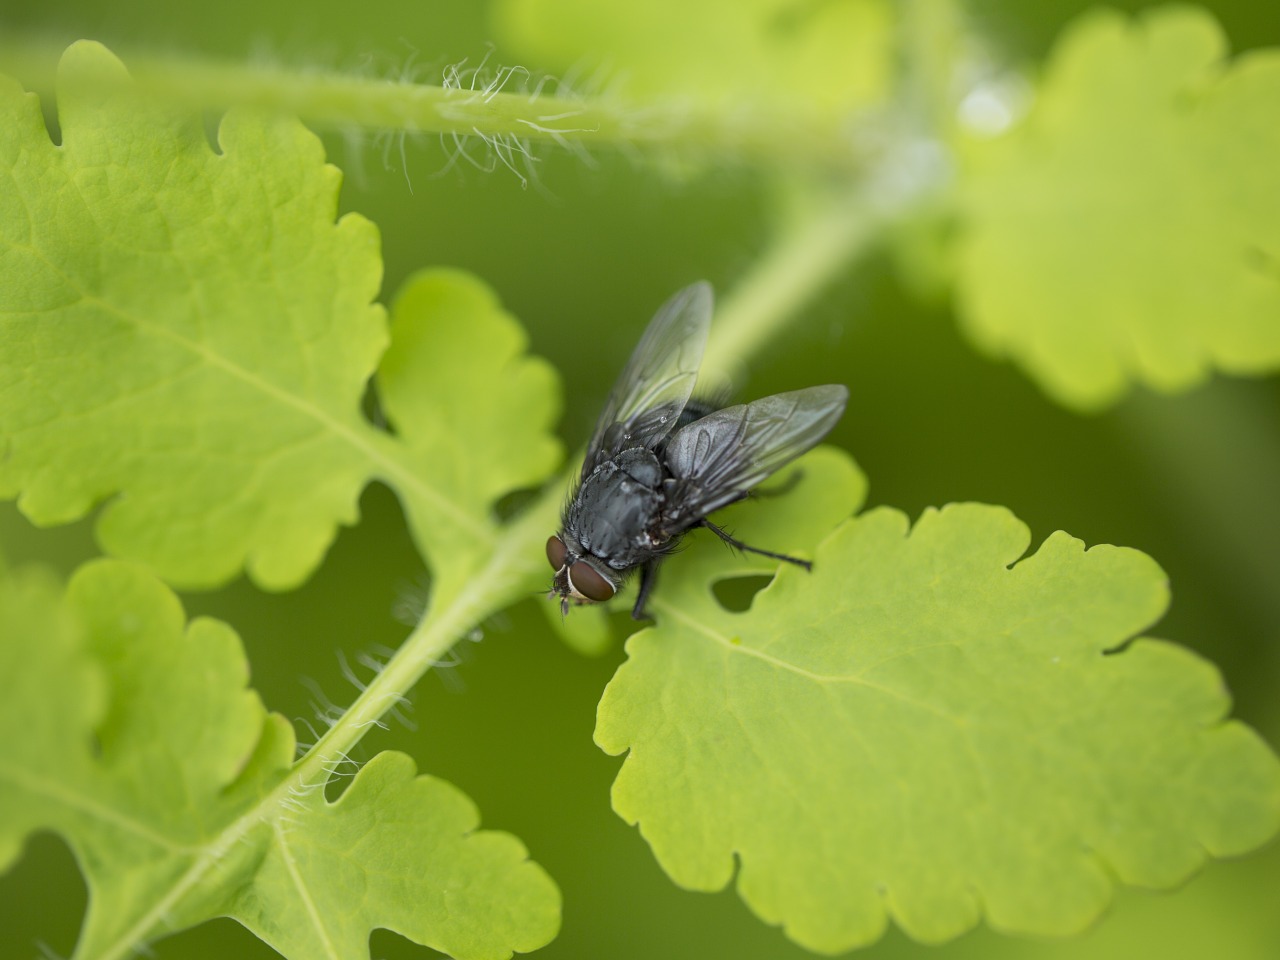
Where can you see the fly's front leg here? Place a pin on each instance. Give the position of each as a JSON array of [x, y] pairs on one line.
[[734, 542], [648, 577]]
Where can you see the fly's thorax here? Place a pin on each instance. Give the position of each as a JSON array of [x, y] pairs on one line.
[[617, 508], [641, 467]]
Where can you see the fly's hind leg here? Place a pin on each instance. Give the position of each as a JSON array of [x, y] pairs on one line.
[[734, 542]]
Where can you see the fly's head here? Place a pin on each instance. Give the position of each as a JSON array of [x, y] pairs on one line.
[[578, 578]]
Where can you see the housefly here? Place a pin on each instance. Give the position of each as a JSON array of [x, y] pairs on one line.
[[660, 462]]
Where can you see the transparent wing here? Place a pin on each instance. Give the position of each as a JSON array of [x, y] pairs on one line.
[[718, 458], [658, 379]]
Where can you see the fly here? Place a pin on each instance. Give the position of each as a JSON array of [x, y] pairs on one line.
[[659, 463]]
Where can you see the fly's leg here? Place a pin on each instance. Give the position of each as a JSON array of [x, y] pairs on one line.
[[648, 577], [733, 542]]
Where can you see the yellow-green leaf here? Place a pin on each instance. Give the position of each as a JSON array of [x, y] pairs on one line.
[[1128, 231]]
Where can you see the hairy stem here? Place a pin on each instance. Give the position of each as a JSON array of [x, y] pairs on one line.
[[506, 109], [516, 558]]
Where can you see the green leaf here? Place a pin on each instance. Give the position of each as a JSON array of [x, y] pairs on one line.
[[454, 375], [187, 334], [185, 327], [39, 654], [408, 845], [1129, 229], [171, 784], [927, 728], [819, 58]]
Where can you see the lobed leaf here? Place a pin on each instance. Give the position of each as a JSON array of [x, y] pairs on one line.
[[1129, 229], [402, 853], [187, 335], [450, 382], [187, 327], [926, 727], [170, 782]]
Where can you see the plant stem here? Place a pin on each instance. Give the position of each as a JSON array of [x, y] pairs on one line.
[[502, 581], [498, 112]]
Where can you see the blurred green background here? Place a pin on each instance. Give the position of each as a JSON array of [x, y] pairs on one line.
[[1191, 480]]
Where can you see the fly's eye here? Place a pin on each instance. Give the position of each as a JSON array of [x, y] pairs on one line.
[[585, 580], [556, 551]]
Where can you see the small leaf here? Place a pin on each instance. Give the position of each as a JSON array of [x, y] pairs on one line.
[[927, 728], [1129, 229], [402, 853], [818, 58], [171, 784], [473, 413]]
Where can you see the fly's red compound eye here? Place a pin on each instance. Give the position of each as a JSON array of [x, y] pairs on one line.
[[556, 552], [584, 579]]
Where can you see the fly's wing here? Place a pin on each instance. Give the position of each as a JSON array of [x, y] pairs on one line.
[[718, 458], [658, 379]]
